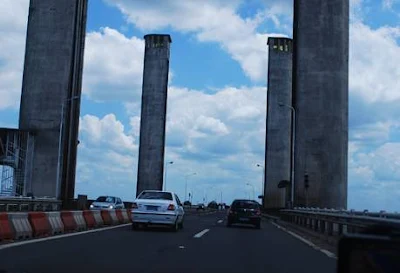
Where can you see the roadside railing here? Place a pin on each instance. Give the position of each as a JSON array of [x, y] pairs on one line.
[[25, 204], [14, 204], [381, 214], [337, 222]]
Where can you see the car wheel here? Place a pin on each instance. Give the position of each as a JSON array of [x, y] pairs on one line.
[[258, 226], [228, 223], [175, 227], [181, 223], [134, 226]]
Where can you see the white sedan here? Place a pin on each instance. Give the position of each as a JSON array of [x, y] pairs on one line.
[[157, 208]]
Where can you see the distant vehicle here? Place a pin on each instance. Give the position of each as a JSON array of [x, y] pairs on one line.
[[158, 208], [187, 203], [201, 207], [244, 212], [213, 205], [107, 202]]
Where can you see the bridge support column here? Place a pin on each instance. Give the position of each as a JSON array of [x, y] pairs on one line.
[[51, 90], [153, 114], [320, 97], [279, 119]]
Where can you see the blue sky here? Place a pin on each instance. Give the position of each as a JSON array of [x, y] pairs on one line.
[[217, 94]]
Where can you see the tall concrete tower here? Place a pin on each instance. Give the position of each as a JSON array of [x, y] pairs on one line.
[[51, 89], [154, 111], [278, 133], [320, 97]]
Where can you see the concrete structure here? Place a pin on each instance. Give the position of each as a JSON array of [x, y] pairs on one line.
[[16, 152], [154, 111], [51, 89], [320, 97], [278, 133]]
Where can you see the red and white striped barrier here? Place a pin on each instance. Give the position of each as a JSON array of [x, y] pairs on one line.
[[114, 219], [80, 221], [97, 217], [56, 223], [25, 225]]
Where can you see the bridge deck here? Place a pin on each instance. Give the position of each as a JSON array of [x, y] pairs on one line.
[[221, 249]]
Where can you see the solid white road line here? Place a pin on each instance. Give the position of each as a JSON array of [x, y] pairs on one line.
[[220, 221], [201, 233], [326, 252], [32, 241]]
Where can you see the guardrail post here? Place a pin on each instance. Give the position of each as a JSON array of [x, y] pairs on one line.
[[316, 222], [323, 223], [340, 229], [330, 228], [349, 229]]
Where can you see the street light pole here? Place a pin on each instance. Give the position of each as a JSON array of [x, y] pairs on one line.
[[186, 178], [60, 139], [292, 150], [253, 189], [206, 191], [165, 174]]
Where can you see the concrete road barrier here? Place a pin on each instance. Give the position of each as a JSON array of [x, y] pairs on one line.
[[27, 225], [98, 218], [80, 221], [56, 223]]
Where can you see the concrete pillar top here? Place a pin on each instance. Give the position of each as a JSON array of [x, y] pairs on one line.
[[280, 43], [157, 40]]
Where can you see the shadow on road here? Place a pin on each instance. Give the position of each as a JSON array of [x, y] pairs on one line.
[[242, 226], [153, 229]]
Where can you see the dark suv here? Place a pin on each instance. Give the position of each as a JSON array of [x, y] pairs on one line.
[[244, 212]]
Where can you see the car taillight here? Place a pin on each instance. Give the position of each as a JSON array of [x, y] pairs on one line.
[[134, 206], [171, 207]]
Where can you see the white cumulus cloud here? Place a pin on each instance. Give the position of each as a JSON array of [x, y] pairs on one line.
[[13, 23], [374, 69], [209, 21], [113, 66], [106, 132]]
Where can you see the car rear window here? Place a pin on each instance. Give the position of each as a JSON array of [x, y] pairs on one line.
[[107, 199], [156, 195], [245, 205]]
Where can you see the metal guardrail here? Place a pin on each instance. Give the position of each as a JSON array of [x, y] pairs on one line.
[[337, 222], [381, 214], [13, 204], [23, 204]]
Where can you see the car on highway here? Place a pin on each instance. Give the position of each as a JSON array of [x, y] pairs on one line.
[[153, 207], [244, 211], [107, 202], [200, 207]]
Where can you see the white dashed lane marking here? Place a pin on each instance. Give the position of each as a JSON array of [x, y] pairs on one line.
[[201, 233]]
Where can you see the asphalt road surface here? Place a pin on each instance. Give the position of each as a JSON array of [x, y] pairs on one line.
[[204, 245]]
